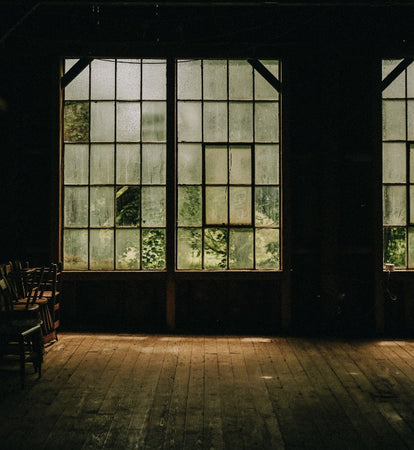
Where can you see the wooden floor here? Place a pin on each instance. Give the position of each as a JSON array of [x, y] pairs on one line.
[[191, 392]]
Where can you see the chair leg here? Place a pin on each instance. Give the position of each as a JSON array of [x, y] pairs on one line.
[[22, 360]]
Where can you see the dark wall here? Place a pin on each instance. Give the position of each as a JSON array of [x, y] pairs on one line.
[[332, 280]]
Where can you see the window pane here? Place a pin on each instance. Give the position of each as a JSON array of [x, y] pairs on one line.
[[76, 206], [76, 164], [128, 206], [102, 206], [394, 205], [216, 205], [241, 249], [78, 88], [215, 121], [240, 165], [216, 164], [127, 249], [189, 164], [189, 248], [267, 206], [189, 79], [267, 164], [411, 163], [102, 80], [154, 79], [393, 163], [240, 80], [410, 80], [411, 204], [102, 164], [393, 119], [189, 121], [394, 246], [75, 243], [153, 206], [128, 73], [397, 88], [153, 249], [189, 206], [267, 249], [101, 250], [267, 122], [263, 90], [127, 164], [128, 121], [215, 248], [241, 122], [154, 121], [241, 205], [410, 248], [102, 121], [153, 164], [76, 127], [410, 119], [215, 79]]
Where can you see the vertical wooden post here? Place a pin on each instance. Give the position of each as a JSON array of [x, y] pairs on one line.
[[171, 197]]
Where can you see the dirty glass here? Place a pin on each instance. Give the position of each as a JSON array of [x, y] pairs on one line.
[[128, 116], [102, 79], [189, 206], [153, 206], [189, 163], [76, 127], [266, 164], [394, 205], [101, 250], [75, 247], [76, 164], [394, 162], [263, 90], [240, 122], [215, 121], [216, 164], [76, 206], [215, 79], [102, 206], [240, 80], [153, 249], [127, 249], [102, 121], [128, 163], [240, 159], [78, 88], [266, 122], [189, 79], [216, 205], [102, 164], [240, 205], [154, 121], [395, 246], [267, 248], [189, 121], [189, 250], [154, 81], [128, 205], [215, 248], [241, 249], [128, 73], [393, 119]]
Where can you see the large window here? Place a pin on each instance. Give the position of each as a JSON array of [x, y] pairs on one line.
[[227, 181], [398, 163]]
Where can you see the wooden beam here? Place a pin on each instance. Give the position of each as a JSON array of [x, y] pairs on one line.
[[395, 72], [74, 71], [265, 73]]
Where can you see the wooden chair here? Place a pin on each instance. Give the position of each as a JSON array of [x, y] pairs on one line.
[[19, 337]]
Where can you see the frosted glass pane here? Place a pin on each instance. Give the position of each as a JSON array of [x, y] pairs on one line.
[[76, 206], [216, 164], [189, 121], [128, 206], [266, 164], [102, 206], [154, 79], [241, 249], [76, 164], [128, 76], [215, 248], [102, 80], [411, 164], [410, 81], [189, 164], [102, 164], [393, 163], [397, 87], [127, 249], [241, 122], [240, 80], [189, 248], [154, 121], [128, 116], [394, 205], [189, 206], [393, 119], [76, 127], [240, 205], [395, 246], [215, 79], [102, 121], [78, 88], [216, 205], [410, 248], [411, 204], [153, 206], [101, 250], [267, 122], [153, 249], [267, 249], [189, 79], [263, 90], [410, 119], [153, 164], [267, 206], [215, 121], [240, 165], [75, 243], [128, 164]]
